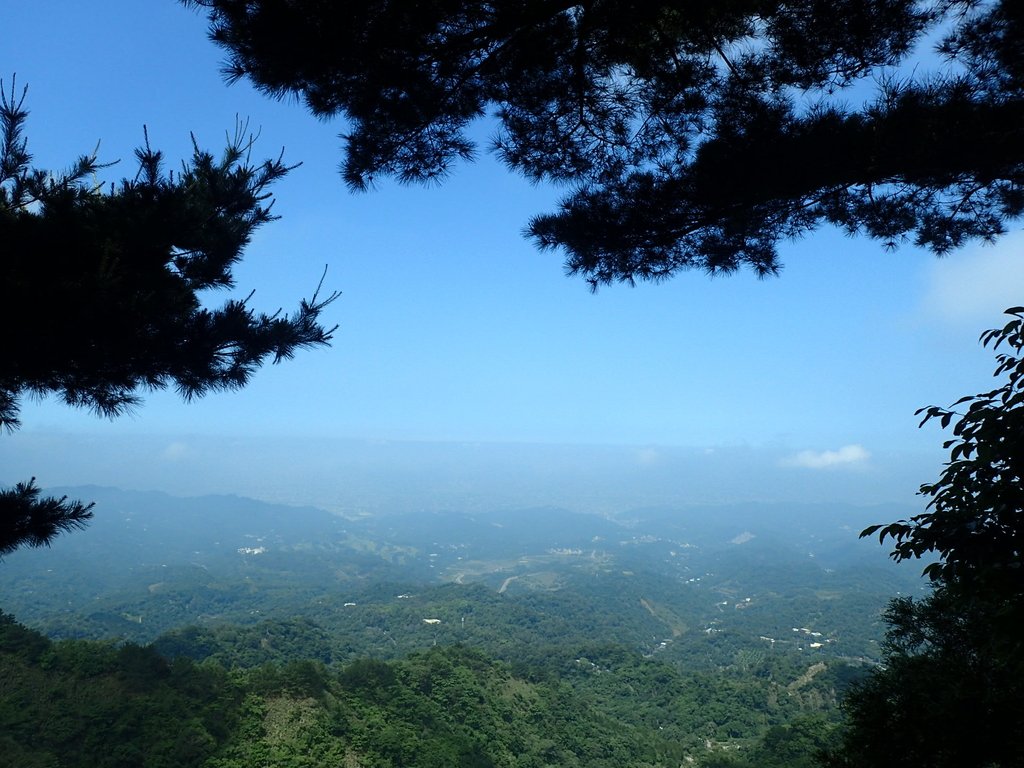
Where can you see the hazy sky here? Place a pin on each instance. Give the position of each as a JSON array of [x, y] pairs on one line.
[[454, 328]]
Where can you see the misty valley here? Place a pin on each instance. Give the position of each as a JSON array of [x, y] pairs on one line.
[[221, 631]]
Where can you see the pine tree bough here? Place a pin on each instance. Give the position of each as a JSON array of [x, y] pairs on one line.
[[692, 135], [104, 288]]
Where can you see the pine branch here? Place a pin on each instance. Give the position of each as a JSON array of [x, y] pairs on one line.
[[29, 519]]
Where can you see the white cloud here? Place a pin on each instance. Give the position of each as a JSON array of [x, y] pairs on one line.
[[975, 286], [645, 457], [847, 456], [175, 452]]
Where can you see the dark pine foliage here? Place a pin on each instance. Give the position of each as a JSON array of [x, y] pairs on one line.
[[692, 135], [105, 290], [28, 520]]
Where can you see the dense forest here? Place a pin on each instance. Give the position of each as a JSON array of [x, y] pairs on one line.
[[294, 637], [109, 704]]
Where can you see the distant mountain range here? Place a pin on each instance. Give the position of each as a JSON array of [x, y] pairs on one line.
[[150, 562]]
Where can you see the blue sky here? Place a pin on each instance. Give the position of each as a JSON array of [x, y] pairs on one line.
[[454, 328]]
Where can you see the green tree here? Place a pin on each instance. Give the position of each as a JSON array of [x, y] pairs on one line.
[[27, 518], [951, 692], [692, 135], [106, 290], [973, 520]]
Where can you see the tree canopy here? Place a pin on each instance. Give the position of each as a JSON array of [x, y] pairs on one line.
[[692, 135], [106, 290], [952, 688], [973, 517]]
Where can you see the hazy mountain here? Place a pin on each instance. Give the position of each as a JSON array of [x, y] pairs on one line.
[[151, 562]]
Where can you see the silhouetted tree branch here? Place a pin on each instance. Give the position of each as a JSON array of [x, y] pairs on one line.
[[29, 519], [105, 287], [951, 690], [692, 135]]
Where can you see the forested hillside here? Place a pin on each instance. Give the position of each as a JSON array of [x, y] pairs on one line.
[[108, 705], [687, 583], [284, 636]]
